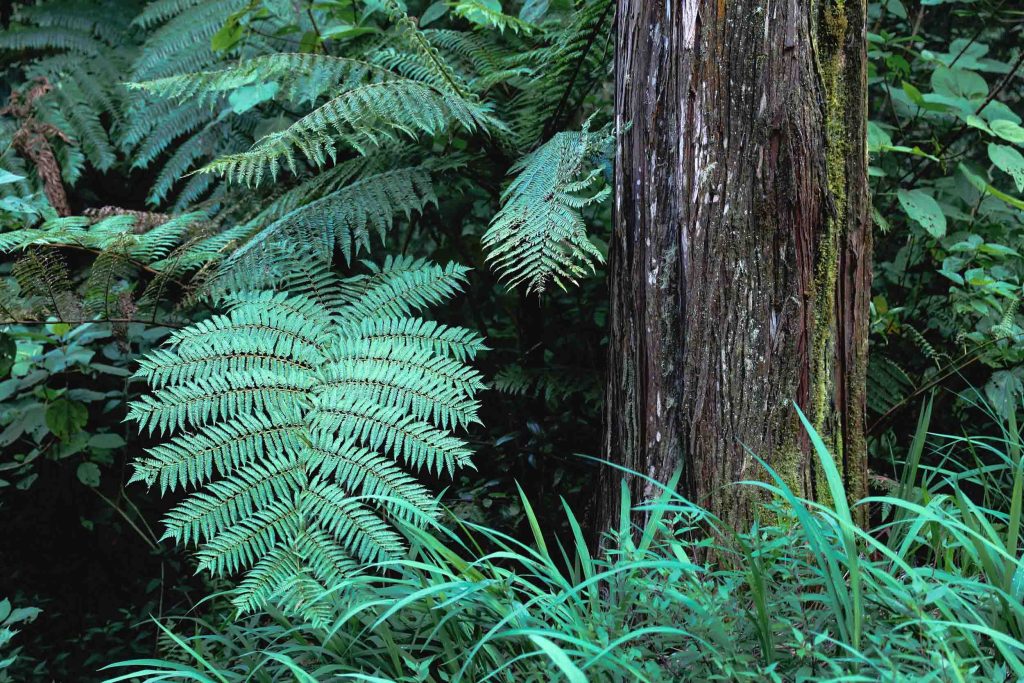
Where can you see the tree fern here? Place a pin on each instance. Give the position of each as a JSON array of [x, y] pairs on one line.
[[539, 234], [300, 425]]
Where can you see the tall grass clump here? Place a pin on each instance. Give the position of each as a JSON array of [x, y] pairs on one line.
[[933, 592]]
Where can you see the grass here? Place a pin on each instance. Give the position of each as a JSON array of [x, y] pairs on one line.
[[932, 593]]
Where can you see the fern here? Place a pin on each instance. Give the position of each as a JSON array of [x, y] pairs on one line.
[[362, 117], [369, 103], [293, 418], [484, 14], [341, 220], [43, 280], [80, 45], [539, 233]]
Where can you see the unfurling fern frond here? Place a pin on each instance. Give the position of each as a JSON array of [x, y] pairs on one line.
[[539, 233], [300, 425]]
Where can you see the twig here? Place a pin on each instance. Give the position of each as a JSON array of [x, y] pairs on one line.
[[83, 321]]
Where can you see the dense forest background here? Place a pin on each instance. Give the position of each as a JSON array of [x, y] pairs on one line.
[[320, 288]]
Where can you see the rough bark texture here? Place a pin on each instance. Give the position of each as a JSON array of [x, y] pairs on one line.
[[740, 267]]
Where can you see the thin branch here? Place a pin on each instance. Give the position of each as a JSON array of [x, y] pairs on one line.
[[83, 321]]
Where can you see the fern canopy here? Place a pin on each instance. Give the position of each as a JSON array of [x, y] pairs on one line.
[[297, 418]]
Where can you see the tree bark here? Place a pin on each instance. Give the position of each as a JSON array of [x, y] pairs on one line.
[[740, 265]]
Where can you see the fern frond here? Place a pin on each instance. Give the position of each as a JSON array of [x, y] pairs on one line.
[[43, 279], [360, 117], [300, 77], [562, 70], [50, 38], [343, 219], [483, 14], [401, 286], [182, 43], [294, 417], [369, 475], [207, 400], [110, 269], [539, 233], [224, 503]]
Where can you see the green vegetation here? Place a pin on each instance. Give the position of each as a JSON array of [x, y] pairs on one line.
[[302, 327]]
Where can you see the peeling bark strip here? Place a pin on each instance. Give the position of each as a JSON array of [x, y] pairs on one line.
[[740, 266]]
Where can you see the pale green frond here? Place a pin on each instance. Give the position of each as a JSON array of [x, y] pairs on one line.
[[356, 527], [245, 542], [539, 234], [419, 334], [225, 503], [361, 117], [369, 475], [217, 397], [301, 417], [418, 443], [189, 460], [397, 292]]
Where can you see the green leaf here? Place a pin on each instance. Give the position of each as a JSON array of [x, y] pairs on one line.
[[560, 659], [8, 352], [248, 96], [7, 177], [534, 10], [986, 188], [66, 418], [923, 209], [913, 93], [975, 121], [109, 440], [959, 83], [310, 42], [227, 37], [1008, 130], [89, 474], [1008, 160], [878, 138], [344, 31], [433, 13]]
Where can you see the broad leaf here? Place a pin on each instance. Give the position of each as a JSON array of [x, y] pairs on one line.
[[923, 209]]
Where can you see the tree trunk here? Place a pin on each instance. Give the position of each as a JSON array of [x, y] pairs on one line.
[[740, 265]]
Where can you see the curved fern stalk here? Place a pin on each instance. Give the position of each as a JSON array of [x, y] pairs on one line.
[[298, 427], [539, 233]]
